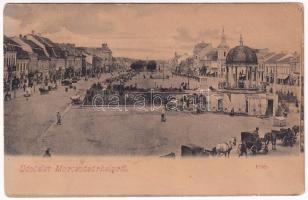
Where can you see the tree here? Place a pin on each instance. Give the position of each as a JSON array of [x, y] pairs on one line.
[[151, 65], [138, 65]]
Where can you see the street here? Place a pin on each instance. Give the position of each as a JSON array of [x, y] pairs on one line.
[[25, 120], [30, 128]]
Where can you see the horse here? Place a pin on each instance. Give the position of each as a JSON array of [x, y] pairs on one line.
[[224, 148], [270, 137], [296, 130], [287, 136]]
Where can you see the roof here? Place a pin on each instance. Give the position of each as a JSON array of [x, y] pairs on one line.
[[212, 55], [68, 49], [47, 42], [241, 55], [263, 54], [289, 58], [11, 45], [20, 41], [52, 48], [8, 44], [274, 58], [9, 41], [37, 49], [267, 56], [223, 45]]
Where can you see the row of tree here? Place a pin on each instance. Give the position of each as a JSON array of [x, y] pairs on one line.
[[139, 65]]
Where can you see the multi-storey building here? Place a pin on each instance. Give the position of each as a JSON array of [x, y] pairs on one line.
[[102, 57], [10, 54], [35, 54], [16, 59]]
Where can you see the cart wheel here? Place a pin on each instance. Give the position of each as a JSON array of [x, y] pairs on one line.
[[265, 149], [285, 141], [253, 150], [239, 151]]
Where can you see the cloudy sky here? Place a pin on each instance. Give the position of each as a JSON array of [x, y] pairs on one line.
[[157, 31]]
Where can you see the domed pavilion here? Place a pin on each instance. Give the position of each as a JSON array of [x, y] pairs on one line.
[[241, 65]]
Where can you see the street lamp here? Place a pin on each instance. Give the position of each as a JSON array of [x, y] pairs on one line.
[[163, 72]]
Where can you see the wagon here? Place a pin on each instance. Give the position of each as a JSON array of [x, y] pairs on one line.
[[286, 135], [251, 141]]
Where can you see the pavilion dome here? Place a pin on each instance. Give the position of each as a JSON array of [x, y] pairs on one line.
[[241, 55]]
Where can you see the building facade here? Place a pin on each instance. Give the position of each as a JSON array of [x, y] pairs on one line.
[[242, 93], [10, 57]]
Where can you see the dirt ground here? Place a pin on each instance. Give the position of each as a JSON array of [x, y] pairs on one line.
[[30, 128], [142, 133]]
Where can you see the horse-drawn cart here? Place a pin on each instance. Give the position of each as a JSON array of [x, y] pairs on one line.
[[251, 141], [288, 136]]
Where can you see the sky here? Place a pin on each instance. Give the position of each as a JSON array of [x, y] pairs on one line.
[[158, 30]]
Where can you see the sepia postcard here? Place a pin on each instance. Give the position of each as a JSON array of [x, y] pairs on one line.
[[153, 99]]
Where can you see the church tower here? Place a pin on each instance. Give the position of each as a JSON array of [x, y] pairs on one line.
[[222, 47]]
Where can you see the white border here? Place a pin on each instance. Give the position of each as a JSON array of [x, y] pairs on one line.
[[2, 4]]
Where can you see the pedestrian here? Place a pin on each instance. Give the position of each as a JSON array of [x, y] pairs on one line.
[[24, 87], [257, 131], [34, 83], [58, 118], [232, 112], [163, 115], [47, 152]]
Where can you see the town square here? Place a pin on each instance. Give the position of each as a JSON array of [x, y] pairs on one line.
[[221, 96]]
